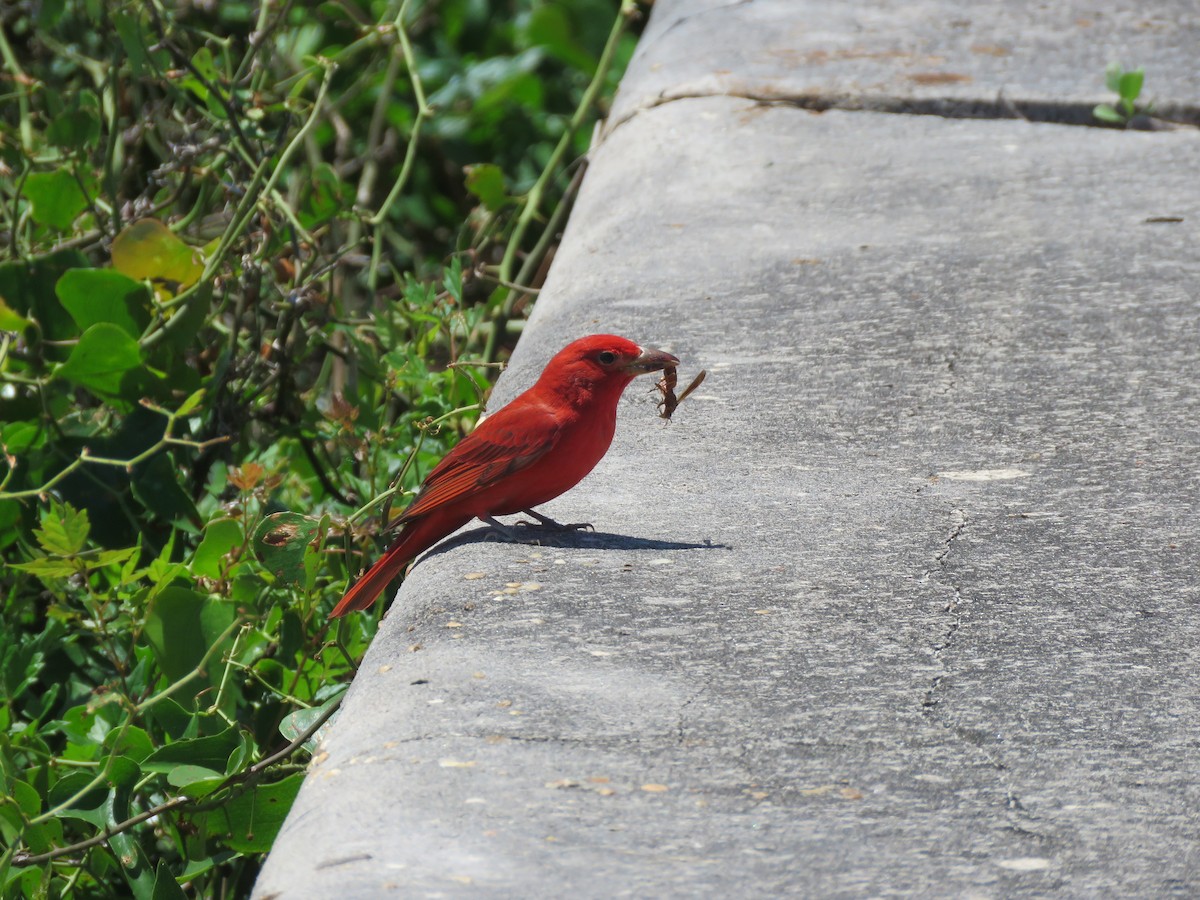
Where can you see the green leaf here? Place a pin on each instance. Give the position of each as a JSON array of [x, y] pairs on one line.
[[21, 437], [28, 290], [548, 27], [60, 567], [220, 537], [182, 626], [156, 486], [1130, 84], [197, 867], [210, 752], [296, 723], [207, 82], [486, 182], [27, 799], [280, 541], [189, 773], [64, 530], [55, 197], [123, 771], [147, 249], [452, 280], [186, 321], [253, 819], [131, 742], [326, 197], [1106, 113], [165, 885], [175, 721], [105, 295], [48, 567], [125, 845], [38, 838], [101, 359], [203, 60], [89, 807], [10, 320], [191, 403], [49, 13], [130, 34], [1112, 77], [110, 558], [79, 127], [85, 730]]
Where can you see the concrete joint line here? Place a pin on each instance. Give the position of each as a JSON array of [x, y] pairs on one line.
[[1168, 117]]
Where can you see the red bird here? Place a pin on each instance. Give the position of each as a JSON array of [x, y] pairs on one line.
[[538, 446]]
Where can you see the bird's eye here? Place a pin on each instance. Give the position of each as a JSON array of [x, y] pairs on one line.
[[607, 358]]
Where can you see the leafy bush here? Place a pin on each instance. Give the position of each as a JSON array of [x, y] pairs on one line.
[[260, 261]]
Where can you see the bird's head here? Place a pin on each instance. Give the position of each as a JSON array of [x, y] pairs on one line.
[[605, 360], [606, 355]]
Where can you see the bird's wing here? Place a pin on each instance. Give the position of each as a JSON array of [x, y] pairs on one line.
[[505, 443]]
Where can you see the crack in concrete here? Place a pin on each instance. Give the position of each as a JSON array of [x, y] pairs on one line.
[[1019, 819], [1167, 116], [681, 722], [703, 12], [930, 702]]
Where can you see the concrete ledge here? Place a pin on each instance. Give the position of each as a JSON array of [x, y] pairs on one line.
[[904, 603], [1044, 59]]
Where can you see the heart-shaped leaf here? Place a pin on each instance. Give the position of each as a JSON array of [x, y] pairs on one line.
[[147, 249]]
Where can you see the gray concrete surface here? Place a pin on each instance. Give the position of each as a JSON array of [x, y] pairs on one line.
[[1045, 57], [904, 603]]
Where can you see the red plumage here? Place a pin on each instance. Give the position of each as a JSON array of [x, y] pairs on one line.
[[538, 446]]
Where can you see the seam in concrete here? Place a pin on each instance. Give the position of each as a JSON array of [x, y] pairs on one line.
[[1167, 117]]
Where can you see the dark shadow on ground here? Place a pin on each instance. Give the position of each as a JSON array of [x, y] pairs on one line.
[[574, 540]]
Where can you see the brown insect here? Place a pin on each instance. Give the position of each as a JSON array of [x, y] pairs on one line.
[[666, 385]]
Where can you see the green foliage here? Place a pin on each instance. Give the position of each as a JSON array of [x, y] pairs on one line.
[[260, 260], [1127, 85]]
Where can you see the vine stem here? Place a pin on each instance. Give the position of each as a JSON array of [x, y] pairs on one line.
[[424, 111], [533, 199]]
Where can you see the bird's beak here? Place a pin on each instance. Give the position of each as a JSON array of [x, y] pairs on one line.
[[651, 360]]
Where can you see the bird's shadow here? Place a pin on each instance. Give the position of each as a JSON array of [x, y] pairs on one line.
[[576, 540]]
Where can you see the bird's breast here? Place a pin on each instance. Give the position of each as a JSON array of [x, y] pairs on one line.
[[582, 443]]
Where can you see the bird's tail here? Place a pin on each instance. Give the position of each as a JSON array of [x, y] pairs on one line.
[[416, 537]]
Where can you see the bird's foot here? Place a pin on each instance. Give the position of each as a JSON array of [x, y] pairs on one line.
[[533, 532], [510, 533], [550, 525]]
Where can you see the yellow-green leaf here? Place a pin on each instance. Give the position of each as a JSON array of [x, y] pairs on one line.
[[147, 249], [10, 320]]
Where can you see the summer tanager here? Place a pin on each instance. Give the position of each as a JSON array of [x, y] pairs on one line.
[[538, 446]]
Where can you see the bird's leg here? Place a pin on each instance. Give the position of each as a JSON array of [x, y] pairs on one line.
[[549, 524]]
